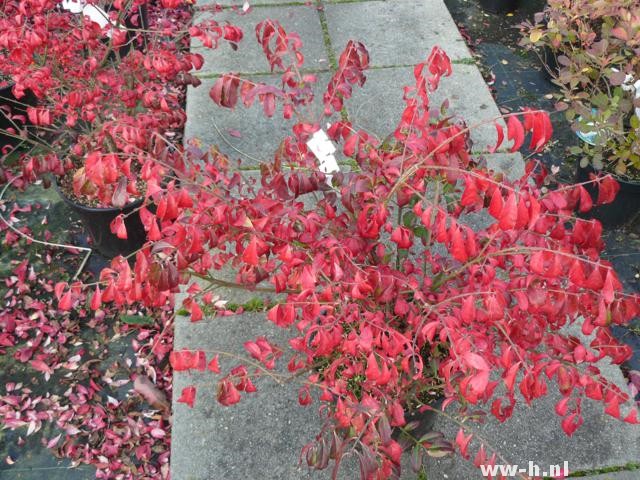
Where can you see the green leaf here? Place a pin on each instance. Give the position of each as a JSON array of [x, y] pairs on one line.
[[422, 232], [416, 458], [439, 452], [431, 436], [575, 150], [408, 219], [136, 319]]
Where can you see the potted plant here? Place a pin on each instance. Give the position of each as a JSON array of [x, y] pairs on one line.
[[394, 296], [597, 70], [106, 115]]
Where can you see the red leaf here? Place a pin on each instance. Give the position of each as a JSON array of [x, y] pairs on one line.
[[576, 273], [304, 396], [282, 315], [458, 249], [500, 132], [250, 254], [66, 301], [595, 281], [463, 442], [476, 361], [182, 360], [620, 33], [509, 214], [515, 132], [118, 227], [188, 396], [468, 311], [40, 366], [96, 299], [196, 312], [613, 407], [470, 195], [225, 91], [403, 237], [372, 371], [59, 289], [496, 205], [539, 124], [632, 417], [571, 423], [39, 116], [228, 394], [214, 366], [608, 189], [562, 406], [608, 288], [585, 200]]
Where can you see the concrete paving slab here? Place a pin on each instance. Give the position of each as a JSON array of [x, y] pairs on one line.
[[378, 106], [249, 57], [261, 436], [511, 164], [265, 431], [534, 434], [396, 32], [260, 136]]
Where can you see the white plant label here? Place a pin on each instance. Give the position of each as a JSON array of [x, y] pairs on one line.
[[94, 13], [324, 149]]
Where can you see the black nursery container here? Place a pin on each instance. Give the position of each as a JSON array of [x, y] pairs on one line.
[[499, 6], [625, 207], [97, 221]]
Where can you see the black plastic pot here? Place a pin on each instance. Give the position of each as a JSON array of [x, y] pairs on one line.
[[11, 106], [625, 207], [499, 6], [97, 221]]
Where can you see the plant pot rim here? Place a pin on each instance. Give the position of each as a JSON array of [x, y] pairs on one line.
[[87, 208]]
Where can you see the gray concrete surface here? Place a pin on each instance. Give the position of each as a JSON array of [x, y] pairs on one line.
[[259, 137], [395, 32], [249, 57]]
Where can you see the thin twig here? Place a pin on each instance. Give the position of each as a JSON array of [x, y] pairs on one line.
[[42, 242]]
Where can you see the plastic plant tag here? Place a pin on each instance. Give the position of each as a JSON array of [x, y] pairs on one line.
[[93, 12], [323, 148], [630, 86], [590, 137], [73, 6]]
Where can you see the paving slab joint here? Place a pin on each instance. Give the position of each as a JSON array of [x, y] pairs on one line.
[[331, 53], [628, 467]]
